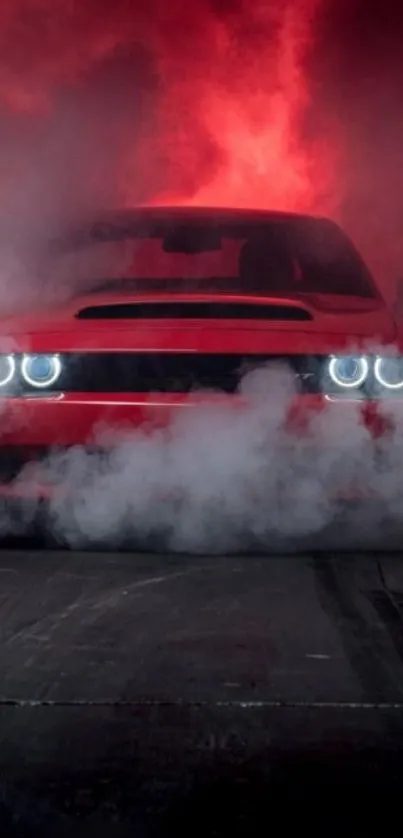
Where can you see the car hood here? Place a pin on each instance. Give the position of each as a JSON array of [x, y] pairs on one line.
[[250, 323]]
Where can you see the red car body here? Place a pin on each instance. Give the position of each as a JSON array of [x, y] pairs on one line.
[[199, 314]]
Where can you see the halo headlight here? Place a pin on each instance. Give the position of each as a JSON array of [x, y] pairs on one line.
[[7, 369], [348, 370], [389, 372], [41, 370]]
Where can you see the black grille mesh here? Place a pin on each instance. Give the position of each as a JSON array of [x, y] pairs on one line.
[[166, 372]]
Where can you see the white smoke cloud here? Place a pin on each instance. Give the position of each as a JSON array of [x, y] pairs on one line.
[[223, 478]]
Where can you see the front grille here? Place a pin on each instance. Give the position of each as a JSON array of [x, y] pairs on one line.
[[165, 372], [13, 458], [29, 461]]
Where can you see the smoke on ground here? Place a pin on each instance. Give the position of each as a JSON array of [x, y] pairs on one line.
[[220, 477]]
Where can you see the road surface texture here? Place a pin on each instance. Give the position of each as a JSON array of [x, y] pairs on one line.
[[151, 695]]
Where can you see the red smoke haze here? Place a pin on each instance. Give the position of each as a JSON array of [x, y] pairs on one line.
[[264, 103]]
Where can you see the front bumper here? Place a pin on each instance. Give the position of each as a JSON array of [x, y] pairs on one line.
[[34, 429], [200, 472], [78, 419]]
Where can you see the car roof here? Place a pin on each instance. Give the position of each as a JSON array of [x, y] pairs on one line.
[[188, 213]]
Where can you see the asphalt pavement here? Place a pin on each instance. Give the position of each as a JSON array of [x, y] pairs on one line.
[[146, 695]]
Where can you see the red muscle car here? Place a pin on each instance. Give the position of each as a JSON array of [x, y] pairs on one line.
[[169, 307]]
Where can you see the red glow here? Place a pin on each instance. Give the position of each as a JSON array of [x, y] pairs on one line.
[[247, 96], [268, 103], [215, 120], [230, 93]]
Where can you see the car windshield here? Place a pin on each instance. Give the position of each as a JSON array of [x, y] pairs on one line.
[[304, 256]]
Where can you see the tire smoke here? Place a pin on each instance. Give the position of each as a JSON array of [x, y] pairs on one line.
[[221, 477]]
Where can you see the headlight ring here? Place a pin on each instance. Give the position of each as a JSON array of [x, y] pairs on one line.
[[348, 371], [41, 370], [392, 378], [7, 369]]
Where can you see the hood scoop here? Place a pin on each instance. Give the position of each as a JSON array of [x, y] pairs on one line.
[[196, 310]]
